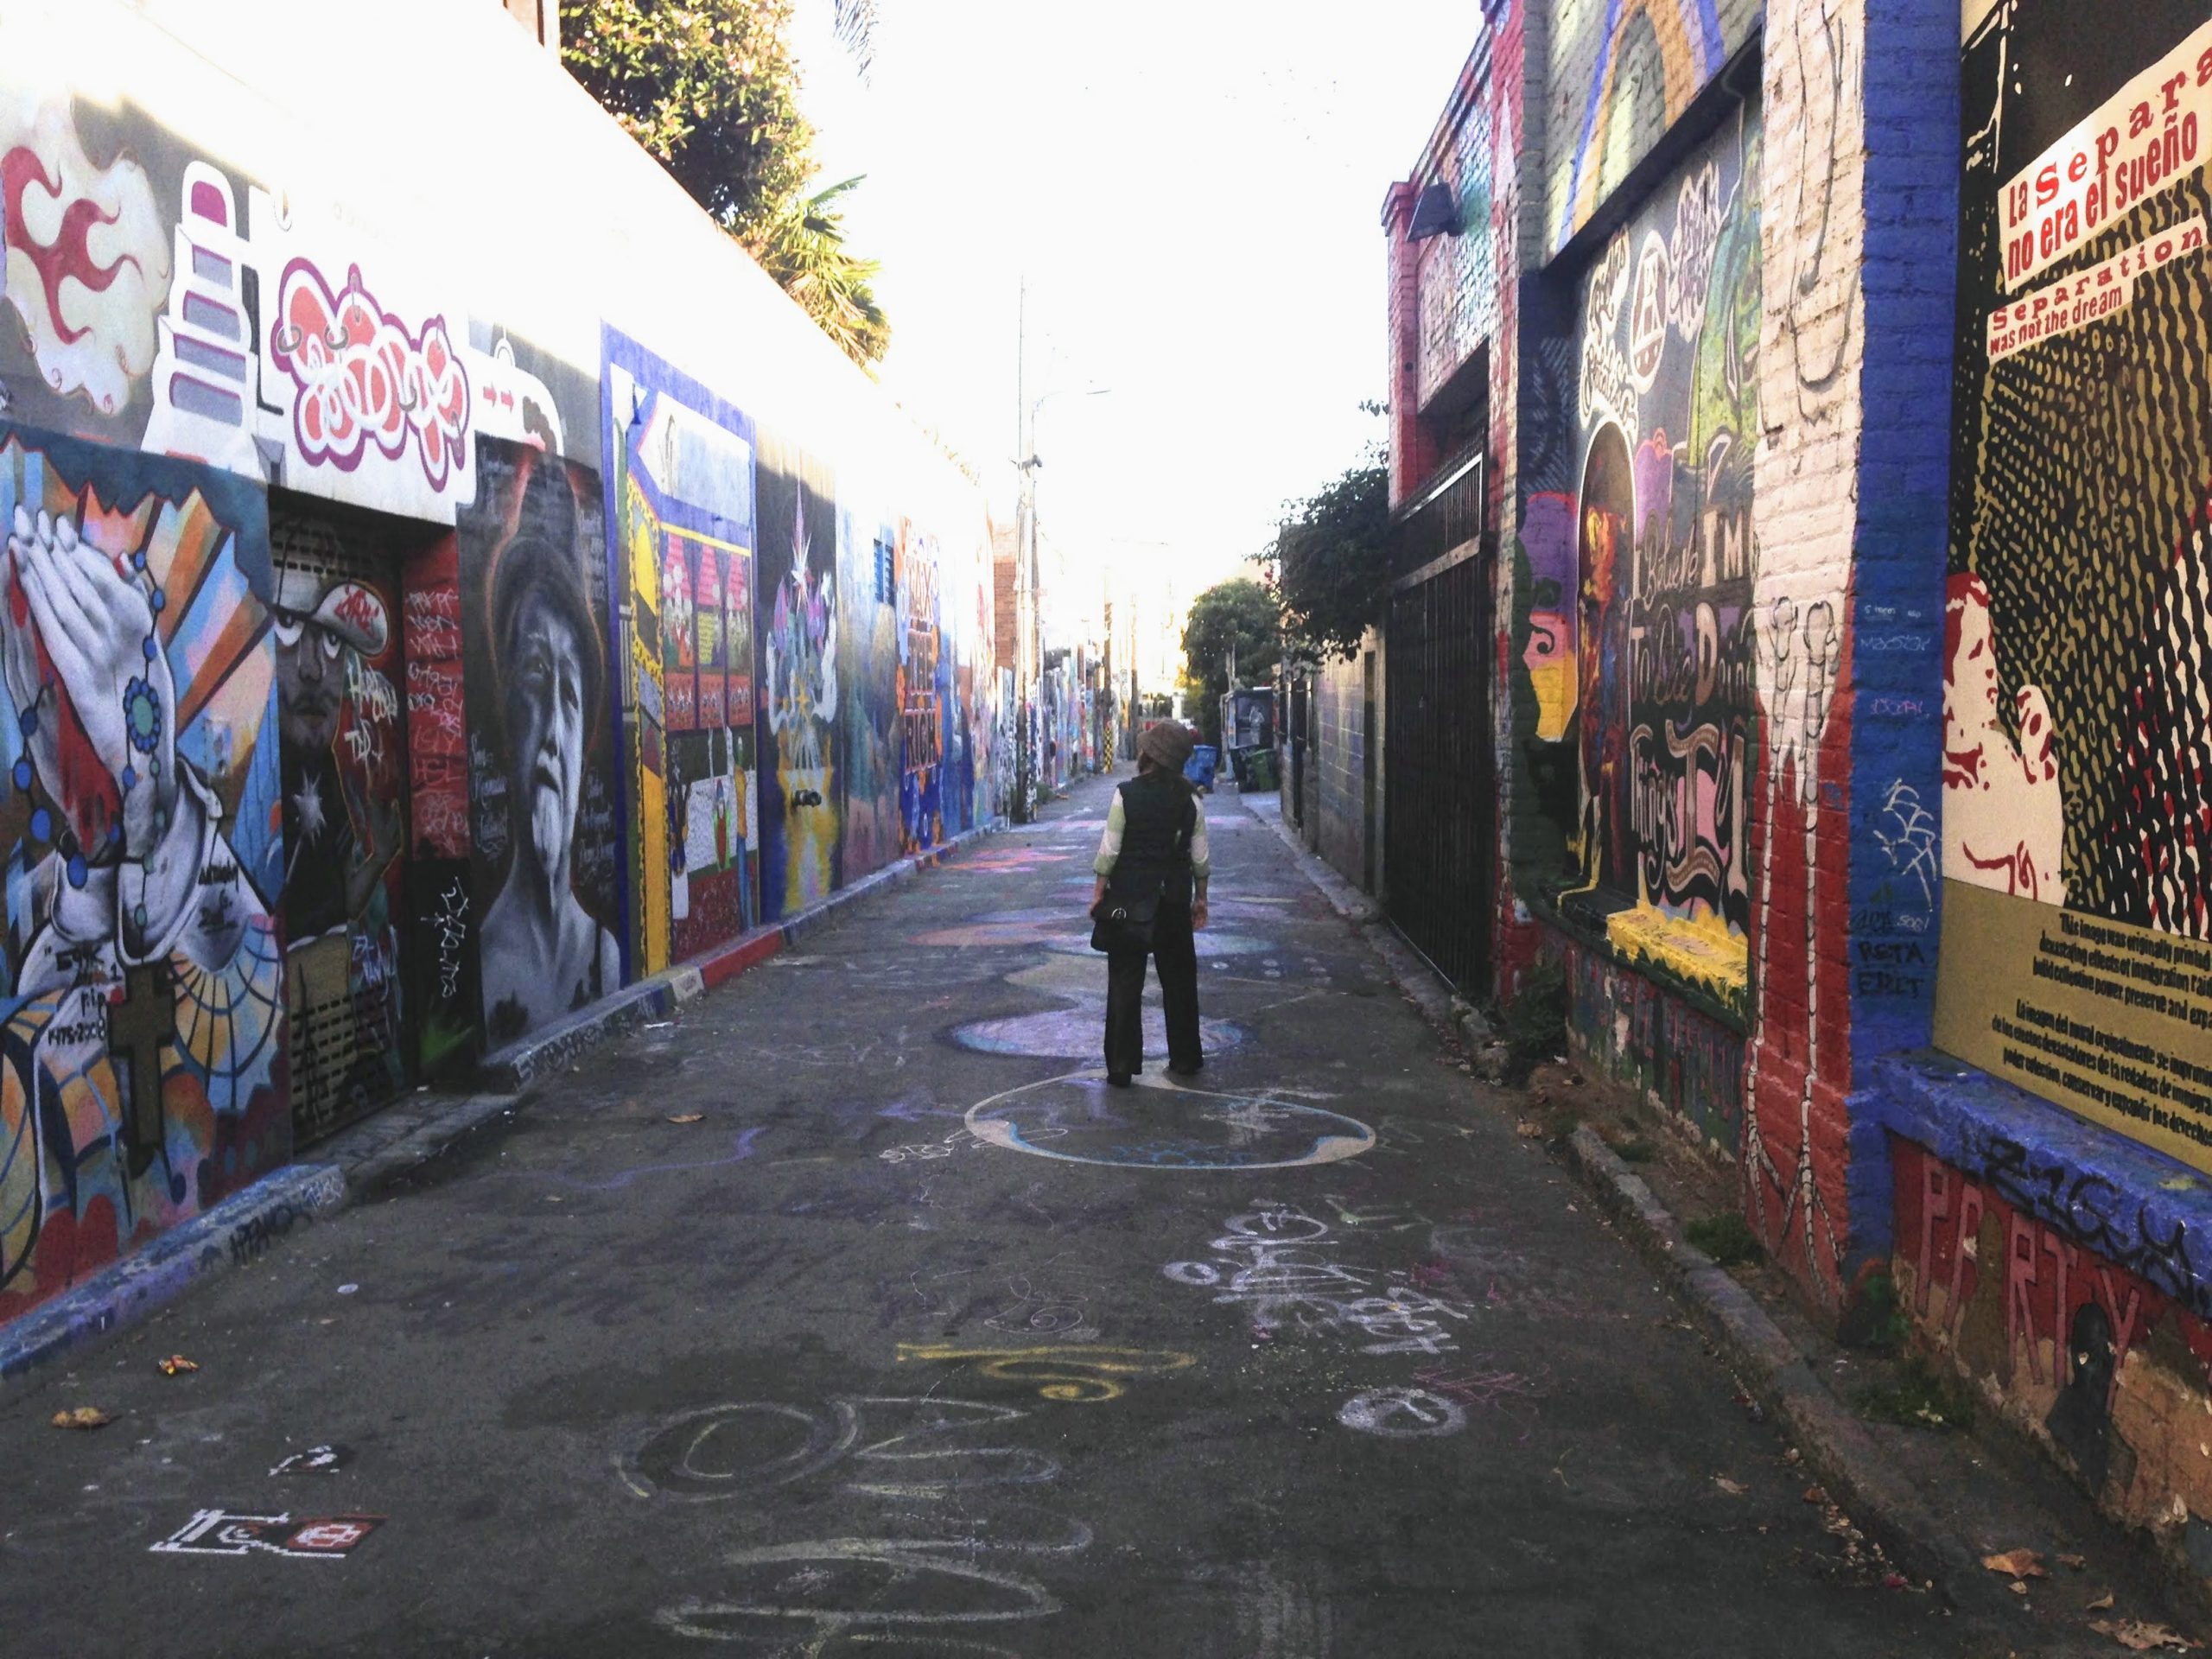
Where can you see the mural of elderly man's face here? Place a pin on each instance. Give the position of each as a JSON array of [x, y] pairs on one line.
[[546, 729], [310, 680]]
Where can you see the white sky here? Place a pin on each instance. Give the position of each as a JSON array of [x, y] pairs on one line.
[[1194, 189]]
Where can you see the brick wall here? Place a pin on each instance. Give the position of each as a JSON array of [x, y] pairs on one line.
[[1620, 76], [1337, 809]]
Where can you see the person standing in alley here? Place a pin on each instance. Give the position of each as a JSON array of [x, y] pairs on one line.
[[1154, 865]]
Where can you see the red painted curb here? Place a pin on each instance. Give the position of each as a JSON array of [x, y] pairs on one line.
[[733, 959]]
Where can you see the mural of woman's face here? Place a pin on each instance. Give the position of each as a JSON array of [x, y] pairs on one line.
[[545, 731]]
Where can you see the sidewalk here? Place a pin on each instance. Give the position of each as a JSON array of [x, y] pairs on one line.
[[1938, 1500], [396, 1139]]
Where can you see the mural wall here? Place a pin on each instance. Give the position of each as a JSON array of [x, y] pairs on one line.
[[801, 742], [1641, 640], [546, 847], [2076, 849], [160, 301], [682, 526], [143, 1054], [2102, 1359], [344, 765], [1623, 72], [272, 466], [871, 714]]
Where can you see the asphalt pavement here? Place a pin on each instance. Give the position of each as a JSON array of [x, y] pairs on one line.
[[851, 1313]]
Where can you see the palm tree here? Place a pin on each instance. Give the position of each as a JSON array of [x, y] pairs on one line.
[[855, 25], [802, 244]]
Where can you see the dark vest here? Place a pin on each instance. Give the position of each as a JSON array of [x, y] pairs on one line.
[[1159, 817]]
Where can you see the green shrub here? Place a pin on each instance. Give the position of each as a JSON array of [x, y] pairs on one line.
[[1533, 1025], [1726, 1237]]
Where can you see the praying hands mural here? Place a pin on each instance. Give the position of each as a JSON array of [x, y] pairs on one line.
[[143, 1018]]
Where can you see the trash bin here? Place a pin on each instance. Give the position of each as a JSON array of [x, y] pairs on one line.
[[1256, 769], [1199, 768]]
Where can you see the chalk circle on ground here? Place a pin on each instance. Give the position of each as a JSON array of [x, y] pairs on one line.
[[1073, 1034], [1157, 1124], [1211, 942], [1403, 1413]]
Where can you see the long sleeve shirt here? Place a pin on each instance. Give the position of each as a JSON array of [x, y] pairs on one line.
[[1110, 844]]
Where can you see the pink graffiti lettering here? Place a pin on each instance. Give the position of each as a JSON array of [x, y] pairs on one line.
[[362, 379]]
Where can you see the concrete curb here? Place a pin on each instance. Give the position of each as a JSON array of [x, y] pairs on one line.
[[1837, 1447], [1838, 1450], [517, 1068], [234, 1233], [361, 1162]]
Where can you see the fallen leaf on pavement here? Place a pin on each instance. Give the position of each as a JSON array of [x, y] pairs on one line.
[[1730, 1487], [82, 1417], [1527, 1130], [2102, 1603], [2016, 1564], [2077, 1562], [2017, 1587], [689, 1117], [1816, 1494], [2138, 1637], [176, 1365]]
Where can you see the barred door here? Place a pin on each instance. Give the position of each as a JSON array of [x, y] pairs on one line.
[[1440, 818]]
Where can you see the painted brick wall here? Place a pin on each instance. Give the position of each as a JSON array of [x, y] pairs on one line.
[[1851, 485], [1622, 71]]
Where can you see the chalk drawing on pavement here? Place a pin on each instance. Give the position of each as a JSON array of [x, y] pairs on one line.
[[1156, 1125]]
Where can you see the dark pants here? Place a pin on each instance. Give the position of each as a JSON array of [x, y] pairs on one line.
[[1177, 954]]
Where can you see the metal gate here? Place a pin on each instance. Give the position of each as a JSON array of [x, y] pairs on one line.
[[1439, 813]]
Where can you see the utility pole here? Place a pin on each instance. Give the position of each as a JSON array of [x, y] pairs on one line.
[[1025, 569]]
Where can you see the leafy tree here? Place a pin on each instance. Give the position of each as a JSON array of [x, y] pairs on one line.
[[802, 246], [708, 88], [1330, 563], [1241, 614]]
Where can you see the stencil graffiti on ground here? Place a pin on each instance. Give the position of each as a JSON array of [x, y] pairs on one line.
[[1081, 1376], [1047, 1299], [216, 1532], [1157, 1125], [1402, 1413], [315, 1460], [1271, 1261], [932, 1462]]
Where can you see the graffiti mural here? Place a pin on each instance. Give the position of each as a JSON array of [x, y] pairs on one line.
[[155, 301], [2076, 816], [345, 767], [867, 670], [439, 944], [801, 857], [143, 1056], [1623, 72], [2079, 1350], [1641, 675], [683, 527], [925, 676], [546, 845]]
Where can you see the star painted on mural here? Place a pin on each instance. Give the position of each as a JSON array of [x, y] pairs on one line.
[[308, 803]]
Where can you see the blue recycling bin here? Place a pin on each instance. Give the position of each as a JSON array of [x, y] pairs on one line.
[[1199, 768]]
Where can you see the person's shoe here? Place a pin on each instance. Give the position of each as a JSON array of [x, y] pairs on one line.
[[1119, 1080], [1186, 1071]]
